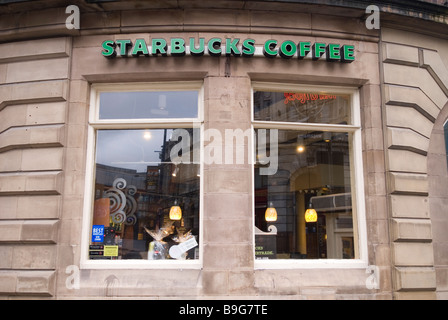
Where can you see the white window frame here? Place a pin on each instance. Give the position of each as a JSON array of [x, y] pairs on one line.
[[356, 167], [97, 124]]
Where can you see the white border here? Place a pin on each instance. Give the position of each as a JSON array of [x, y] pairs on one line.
[[95, 124], [356, 157]]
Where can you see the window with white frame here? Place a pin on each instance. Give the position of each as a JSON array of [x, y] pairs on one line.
[[307, 173], [144, 172]]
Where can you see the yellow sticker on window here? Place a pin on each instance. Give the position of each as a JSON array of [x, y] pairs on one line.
[[110, 251]]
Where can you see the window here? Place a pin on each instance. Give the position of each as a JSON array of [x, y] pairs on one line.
[[307, 177], [144, 173], [148, 105]]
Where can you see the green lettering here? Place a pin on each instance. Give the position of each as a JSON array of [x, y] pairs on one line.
[[199, 51], [348, 53], [124, 44], [287, 49], [231, 47], [304, 49], [333, 52], [318, 50], [248, 47], [177, 47], [268, 49], [140, 47], [214, 47], [108, 49], [159, 46]]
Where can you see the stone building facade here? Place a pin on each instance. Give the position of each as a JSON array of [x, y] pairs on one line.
[[400, 75]]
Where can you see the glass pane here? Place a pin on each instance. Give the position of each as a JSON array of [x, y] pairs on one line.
[[141, 177], [313, 169], [303, 107], [148, 105]]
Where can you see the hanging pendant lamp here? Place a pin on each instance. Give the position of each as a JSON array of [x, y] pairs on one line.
[[270, 214], [310, 214], [175, 212]]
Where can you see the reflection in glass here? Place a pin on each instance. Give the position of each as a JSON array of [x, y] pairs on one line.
[[302, 107], [134, 191], [313, 169], [148, 105]]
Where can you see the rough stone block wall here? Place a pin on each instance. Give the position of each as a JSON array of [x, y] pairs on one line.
[[415, 87], [33, 102]]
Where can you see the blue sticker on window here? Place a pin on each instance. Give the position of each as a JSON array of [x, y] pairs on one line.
[[97, 233]]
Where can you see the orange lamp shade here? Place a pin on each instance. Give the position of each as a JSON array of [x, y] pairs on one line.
[[175, 213], [310, 215], [271, 213]]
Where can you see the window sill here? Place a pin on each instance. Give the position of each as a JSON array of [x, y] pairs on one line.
[[310, 264], [141, 264]]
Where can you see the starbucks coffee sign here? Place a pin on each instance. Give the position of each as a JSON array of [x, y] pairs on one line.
[[228, 47]]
